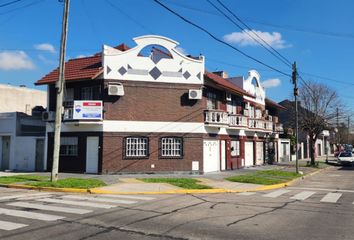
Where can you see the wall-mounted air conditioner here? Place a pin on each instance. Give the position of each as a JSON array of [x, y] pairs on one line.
[[228, 97], [115, 89], [195, 94], [48, 116]]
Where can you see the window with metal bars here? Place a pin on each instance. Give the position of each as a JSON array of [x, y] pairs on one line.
[[68, 146], [136, 147], [171, 147]]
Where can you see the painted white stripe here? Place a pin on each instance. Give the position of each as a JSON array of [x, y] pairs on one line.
[[135, 126], [99, 199], [24, 195], [246, 193], [50, 208], [127, 196], [323, 189], [30, 215], [8, 226], [76, 203], [276, 193], [331, 197], [303, 195]]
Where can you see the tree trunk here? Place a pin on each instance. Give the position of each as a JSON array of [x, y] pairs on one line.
[[312, 150]]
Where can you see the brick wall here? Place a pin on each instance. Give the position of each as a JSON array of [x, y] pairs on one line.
[[154, 102], [113, 154]]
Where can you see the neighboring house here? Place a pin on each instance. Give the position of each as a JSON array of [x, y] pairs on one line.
[[322, 144], [22, 141], [21, 99], [152, 109]]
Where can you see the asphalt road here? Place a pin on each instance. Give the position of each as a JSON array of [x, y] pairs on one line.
[[319, 207]]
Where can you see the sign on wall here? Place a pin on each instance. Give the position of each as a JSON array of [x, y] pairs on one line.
[[90, 110]]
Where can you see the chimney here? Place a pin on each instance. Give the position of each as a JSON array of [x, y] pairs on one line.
[[222, 74]]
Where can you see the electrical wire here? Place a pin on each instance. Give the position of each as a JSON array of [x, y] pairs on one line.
[[10, 3], [218, 39], [256, 34], [22, 7]]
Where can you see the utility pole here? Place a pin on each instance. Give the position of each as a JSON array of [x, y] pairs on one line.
[[60, 84], [296, 93], [338, 141], [348, 130]]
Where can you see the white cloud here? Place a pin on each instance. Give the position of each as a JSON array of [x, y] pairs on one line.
[[182, 50], [15, 60], [271, 83], [45, 47], [81, 56], [274, 39]]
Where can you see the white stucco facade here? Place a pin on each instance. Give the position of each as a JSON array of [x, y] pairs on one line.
[[21, 99]]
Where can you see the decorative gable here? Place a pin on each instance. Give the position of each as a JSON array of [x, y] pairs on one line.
[[164, 63]]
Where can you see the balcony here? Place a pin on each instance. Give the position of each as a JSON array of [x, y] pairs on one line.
[[256, 123], [278, 127], [237, 121], [219, 118], [216, 117]]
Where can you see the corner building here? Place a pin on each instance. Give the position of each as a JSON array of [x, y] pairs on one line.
[[152, 109]]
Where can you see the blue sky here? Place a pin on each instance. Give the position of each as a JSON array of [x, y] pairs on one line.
[[318, 35]]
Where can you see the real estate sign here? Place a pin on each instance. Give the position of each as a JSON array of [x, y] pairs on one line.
[[89, 110]]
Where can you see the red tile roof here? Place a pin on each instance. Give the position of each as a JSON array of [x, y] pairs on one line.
[[274, 104], [222, 82], [79, 68]]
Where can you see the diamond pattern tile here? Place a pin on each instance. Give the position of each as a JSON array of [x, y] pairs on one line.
[[122, 70], [186, 74], [155, 73]]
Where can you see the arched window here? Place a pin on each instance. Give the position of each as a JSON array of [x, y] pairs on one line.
[[155, 52]]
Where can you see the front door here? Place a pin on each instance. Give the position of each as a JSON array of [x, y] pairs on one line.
[[249, 154], [211, 156], [39, 155], [92, 146], [260, 153], [5, 153]]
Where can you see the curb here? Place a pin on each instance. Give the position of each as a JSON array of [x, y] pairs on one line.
[[179, 191]]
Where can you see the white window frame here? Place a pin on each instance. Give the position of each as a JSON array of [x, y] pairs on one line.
[[136, 147], [69, 146], [235, 146], [171, 147]]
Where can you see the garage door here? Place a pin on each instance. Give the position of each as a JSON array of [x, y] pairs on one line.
[[248, 154], [211, 156], [260, 153]]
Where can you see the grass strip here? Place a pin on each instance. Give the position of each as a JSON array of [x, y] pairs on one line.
[[186, 183], [70, 183], [265, 177], [22, 178]]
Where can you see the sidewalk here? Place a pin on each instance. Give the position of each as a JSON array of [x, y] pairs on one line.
[[130, 183]]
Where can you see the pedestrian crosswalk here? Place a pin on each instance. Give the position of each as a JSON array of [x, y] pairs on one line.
[[49, 207], [300, 195]]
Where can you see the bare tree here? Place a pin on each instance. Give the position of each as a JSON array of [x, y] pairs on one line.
[[318, 111]]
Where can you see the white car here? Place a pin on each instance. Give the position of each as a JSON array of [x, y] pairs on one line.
[[345, 158]]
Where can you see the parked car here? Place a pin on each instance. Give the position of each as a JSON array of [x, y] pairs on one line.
[[345, 158]]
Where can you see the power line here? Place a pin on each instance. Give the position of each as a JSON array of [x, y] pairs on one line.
[[242, 29], [255, 33], [128, 16], [327, 78], [9, 3], [217, 39], [285, 27], [22, 7]]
